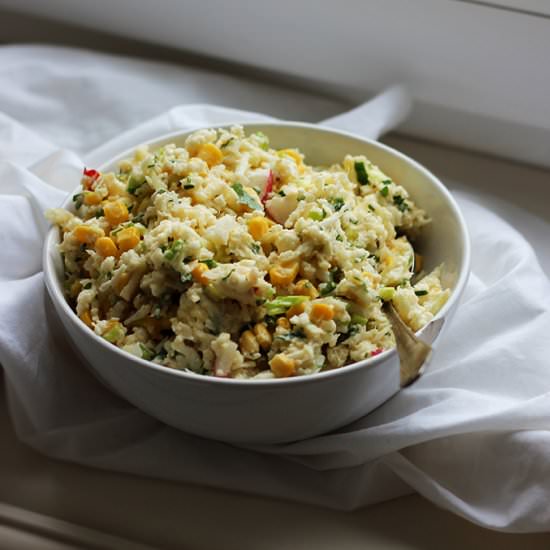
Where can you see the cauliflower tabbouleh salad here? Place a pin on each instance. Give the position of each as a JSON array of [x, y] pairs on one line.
[[226, 257]]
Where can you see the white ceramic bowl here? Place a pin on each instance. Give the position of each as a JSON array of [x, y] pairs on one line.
[[280, 410]]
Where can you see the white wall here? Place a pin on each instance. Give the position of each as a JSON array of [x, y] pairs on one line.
[[480, 74]]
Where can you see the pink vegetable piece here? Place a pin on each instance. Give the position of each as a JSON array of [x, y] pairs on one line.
[[268, 188], [377, 351]]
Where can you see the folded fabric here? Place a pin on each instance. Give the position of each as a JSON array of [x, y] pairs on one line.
[[470, 435]]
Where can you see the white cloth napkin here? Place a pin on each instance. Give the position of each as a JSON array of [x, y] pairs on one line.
[[470, 435]]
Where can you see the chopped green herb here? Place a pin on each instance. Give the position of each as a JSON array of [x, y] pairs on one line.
[[358, 320], [87, 286], [174, 249], [421, 292], [384, 191], [226, 143], [161, 191], [339, 238], [211, 264], [371, 208], [327, 288], [78, 199], [99, 213], [134, 184], [400, 202], [146, 353], [255, 247], [386, 182], [189, 186], [361, 173], [245, 198], [280, 304], [281, 193], [228, 275], [337, 203]]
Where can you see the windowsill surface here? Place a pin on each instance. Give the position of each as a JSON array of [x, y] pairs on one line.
[[172, 515]]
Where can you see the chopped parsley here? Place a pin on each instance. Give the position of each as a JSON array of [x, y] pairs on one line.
[[226, 143], [421, 292], [400, 202], [99, 213], [327, 288], [361, 173], [384, 191], [281, 193], [78, 199], [255, 247], [211, 264], [244, 197], [337, 203], [87, 286]]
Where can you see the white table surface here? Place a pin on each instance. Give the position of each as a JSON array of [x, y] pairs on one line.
[[160, 514]]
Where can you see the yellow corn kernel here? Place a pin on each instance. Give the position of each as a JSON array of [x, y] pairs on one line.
[[296, 310], [283, 323], [282, 366], [321, 312], [283, 275], [258, 227], [91, 198], [294, 155], [210, 154], [418, 263], [86, 318], [198, 273], [263, 336], [115, 212], [121, 281], [86, 234], [105, 246], [127, 238], [305, 288], [248, 343]]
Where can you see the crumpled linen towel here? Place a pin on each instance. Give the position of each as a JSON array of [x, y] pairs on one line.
[[471, 435]]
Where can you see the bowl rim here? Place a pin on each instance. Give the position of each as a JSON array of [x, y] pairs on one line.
[[53, 286]]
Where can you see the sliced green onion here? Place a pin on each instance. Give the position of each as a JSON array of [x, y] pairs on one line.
[[174, 250], [361, 173], [421, 292], [146, 353], [386, 293], [358, 320], [281, 304]]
